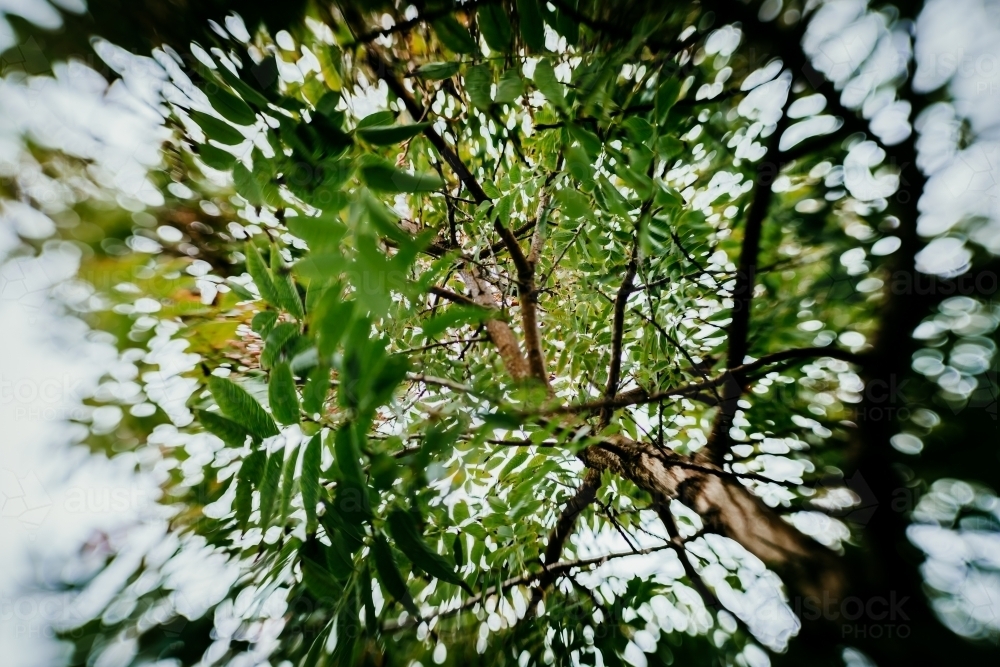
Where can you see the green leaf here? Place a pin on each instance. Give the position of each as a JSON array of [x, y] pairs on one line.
[[241, 407], [453, 316], [547, 83], [217, 129], [316, 575], [365, 589], [248, 93], [411, 543], [517, 459], [479, 83], [590, 141], [263, 322], [323, 137], [495, 26], [641, 183], [614, 199], [566, 26], [461, 512], [529, 18], [287, 487], [458, 549], [438, 71], [348, 454], [348, 624], [247, 186], [382, 175], [288, 296], [323, 233], [240, 289], [668, 147], [387, 135], [261, 276], [639, 130], [253, 467], [231, 107], [215, 157], [377, 119], [282, 395], [500, 419], [574, 203], [275, 343], [327, 104], [243, 503], [655, 235], [389, 576], [269, 487], [579, 164], [666, 97], [503, 205], [309, 480], [510, 87], [384, 471], [667, 197], [454, 35], [321, 267], [333, 317], [225, 429], [491, 190], [316, 389]]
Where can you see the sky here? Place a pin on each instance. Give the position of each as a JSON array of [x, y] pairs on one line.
[[62, 509]]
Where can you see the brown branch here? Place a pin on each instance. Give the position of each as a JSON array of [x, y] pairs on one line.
[[446, 343], [383, 71], [500, 246], [584, 496], [750, 248], [667, 517], [440, 382], [454, 297], [736, 375], [538, 235], [557, 570], [725, 506], [738, 334], [535, 365], [498, 330], [618, 331], [527, 294], [680, 548]]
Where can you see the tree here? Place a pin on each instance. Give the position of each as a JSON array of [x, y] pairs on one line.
[[490, 297]]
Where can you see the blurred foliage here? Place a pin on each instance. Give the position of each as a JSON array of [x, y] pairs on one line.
[[326, 406]]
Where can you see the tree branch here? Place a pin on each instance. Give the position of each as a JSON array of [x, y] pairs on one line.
[[525, 271], [383, 71], [736, 375], [440, 382], [725, 506], [618, 331], [498, 330], [557, 570], [454, 297], [739, 329], [527, 294], [584, 496]]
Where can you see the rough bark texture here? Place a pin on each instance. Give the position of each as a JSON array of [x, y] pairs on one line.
[[726, 507], [500, 333]]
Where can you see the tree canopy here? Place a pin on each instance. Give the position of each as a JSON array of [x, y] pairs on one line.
[[565, 332]]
